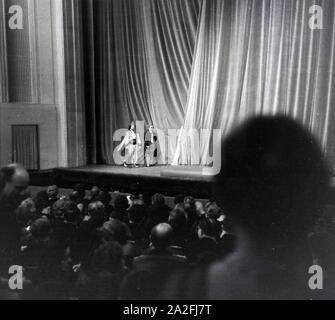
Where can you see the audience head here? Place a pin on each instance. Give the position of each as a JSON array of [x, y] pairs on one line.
[[108, 257], [115, 230], [96, 211], [189, 203], [72, 212], [273, 178], [80, 188], [121, 203], [162, 236], [190, 209], [26, 212], [136, 213], [41, 201], [158, 200], [177, 220], [15, 181], [209, 228], [105, 197], [52, 191], [95, 192], [75, 196], [179, 199], [213, 211], [40, 229], [64, 210]]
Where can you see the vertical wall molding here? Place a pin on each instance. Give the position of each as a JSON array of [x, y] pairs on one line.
[[57, 77], [33, 45], [3, 54], [74, 82]]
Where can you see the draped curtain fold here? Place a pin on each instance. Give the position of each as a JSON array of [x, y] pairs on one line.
[[210, 64], [144, 54]]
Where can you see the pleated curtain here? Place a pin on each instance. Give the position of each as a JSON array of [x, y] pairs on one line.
[[211, 64]]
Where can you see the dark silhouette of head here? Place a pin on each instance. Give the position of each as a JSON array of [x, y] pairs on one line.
[[190, 209], [80, 188], [178, 220], [158, 199], [136, 213], [162, 236], [209, 228], [40, 229], [213, 210], [97, 213], [273, 178], [115, 230], [105, 197], [75, 196], [121, 203], [108, 257], [41, 201], [179, 199]]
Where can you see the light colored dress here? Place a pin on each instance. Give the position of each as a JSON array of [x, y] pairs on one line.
[[150, 149], [130, 142]]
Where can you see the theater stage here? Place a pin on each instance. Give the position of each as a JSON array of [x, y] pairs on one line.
[[168, 180]]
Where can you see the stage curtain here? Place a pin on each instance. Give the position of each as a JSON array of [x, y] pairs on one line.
[[213, 63], [144, 54], [261, 57]]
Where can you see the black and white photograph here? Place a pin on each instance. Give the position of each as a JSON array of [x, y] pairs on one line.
[[167, 154]]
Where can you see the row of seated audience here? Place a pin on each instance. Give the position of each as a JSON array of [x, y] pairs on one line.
[[86, 248], [273, 184]]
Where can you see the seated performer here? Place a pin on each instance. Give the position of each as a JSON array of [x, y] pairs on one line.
[[150, 147], [130, 142]]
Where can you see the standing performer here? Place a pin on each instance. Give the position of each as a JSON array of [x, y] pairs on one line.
[[150, 146], [130, 142]]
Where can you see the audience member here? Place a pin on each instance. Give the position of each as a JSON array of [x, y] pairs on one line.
[[103, 279], [120, 208], [151, 269], [94, 194], [106, 198], [158, 212], [14, 184], [205, 250], [275, 225], [273, 182]]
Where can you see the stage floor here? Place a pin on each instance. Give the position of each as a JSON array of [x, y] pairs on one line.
[[142, 171], [181, 172], [168, 180]]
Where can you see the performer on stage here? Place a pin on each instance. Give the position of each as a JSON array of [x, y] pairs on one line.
[[131, 141], [150, 147]]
